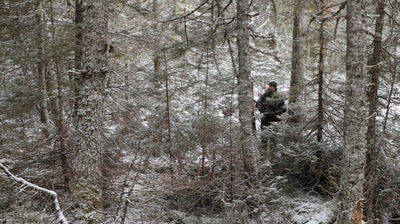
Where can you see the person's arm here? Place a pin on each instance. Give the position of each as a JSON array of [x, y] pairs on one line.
[[260, 105]]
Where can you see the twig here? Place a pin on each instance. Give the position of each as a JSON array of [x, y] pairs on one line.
[[188, 14]]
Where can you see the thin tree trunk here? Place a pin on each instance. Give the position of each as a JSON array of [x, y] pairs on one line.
[[320, 122], [205, 134], [232, 151], [389, 100], [355, 128], [79, 31], [41, 65], [61, 126], [244, 96], [371, 169], [172, 155], [62, 133], [157, 62], [157, 57]]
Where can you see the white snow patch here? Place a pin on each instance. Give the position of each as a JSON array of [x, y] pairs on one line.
[[319, 213], [306, 209]]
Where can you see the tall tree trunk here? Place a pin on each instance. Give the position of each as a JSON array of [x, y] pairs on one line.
[[60, 123], [298, 61], [163, 78], [79, 31], [320, 122], [156, 27], [204, 133], [371, 172], [41, 65], [89, 151], [354, 149], [232, 151], [62, 135], [167, 117], [244, 95]]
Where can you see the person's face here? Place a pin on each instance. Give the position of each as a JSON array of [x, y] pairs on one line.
[[271, 88]]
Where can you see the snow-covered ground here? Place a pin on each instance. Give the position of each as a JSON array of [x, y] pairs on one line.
[[299, 209], [305, 209]]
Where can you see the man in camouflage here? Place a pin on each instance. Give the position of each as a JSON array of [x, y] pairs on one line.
[[270, 104]]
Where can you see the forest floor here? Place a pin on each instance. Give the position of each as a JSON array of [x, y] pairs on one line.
[[300, 209], [154, 201], [154, 198]]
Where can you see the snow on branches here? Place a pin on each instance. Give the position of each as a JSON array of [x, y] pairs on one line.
[[60, 214]]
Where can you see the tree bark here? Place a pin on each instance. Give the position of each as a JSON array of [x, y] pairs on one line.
[[298, 61], [355, 128], [89, 151], [79, 31], [244, 95], [371, 172], [204, 133], [320, 122], [41, 65], [157, 57], [60, 123]]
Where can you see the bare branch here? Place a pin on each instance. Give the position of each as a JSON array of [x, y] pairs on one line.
[[276, 58], [60, 215], [188, 14]]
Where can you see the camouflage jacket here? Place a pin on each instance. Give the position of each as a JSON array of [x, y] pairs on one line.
[[272, 103]]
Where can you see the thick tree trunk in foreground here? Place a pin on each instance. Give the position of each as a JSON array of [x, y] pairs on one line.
[[245, 100], [371, 172], [88, 185], [354, 149]]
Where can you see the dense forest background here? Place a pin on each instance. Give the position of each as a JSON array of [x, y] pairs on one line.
[[141, 111]]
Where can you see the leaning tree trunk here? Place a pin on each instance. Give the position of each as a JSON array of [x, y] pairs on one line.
[[87, 190], [354, 149], [371, 172], [244, 95]]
